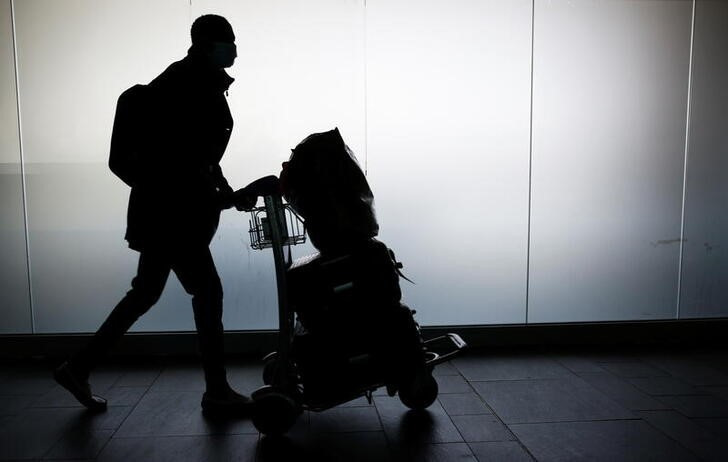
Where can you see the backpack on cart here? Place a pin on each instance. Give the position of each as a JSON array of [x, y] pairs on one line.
[[324, 184]]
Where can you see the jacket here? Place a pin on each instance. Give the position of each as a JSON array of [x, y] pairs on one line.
[[180, 189]]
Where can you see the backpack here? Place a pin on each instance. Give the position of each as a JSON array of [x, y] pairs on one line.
[[129, 136], [325, 185]]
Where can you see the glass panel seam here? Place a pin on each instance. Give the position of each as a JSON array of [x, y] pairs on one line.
[[366, 94], [22, 166], [685, 164], [530, 165]]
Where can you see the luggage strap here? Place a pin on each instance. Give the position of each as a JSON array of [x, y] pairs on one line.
[[398, 267]]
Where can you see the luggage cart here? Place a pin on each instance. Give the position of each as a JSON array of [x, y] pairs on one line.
[[281, 400]]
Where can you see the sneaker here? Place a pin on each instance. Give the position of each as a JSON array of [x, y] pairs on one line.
[[228, 402], [79, 388]]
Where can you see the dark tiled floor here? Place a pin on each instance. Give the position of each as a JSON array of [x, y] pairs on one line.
[[497, 405]]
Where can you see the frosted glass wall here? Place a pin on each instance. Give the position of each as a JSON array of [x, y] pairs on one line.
[[448, 107], [609, 113], [74, 58], [299, 70], [705, 254], [527, 157], [14, 293]]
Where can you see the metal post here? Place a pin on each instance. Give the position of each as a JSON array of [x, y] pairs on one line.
[[273, 206]]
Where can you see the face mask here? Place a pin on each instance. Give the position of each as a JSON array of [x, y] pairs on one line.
[[223, 54]]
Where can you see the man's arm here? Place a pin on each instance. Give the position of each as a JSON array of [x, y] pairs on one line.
[[245, 198], [224, 194]]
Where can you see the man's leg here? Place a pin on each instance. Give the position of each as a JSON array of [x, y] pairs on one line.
[[147, 286], [198, 275], [196, 271]]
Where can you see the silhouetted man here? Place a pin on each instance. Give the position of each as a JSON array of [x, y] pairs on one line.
[[177, 193]]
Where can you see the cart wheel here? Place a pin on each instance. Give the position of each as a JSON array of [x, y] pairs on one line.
[[274, 412], [420, 392], [271, 369]]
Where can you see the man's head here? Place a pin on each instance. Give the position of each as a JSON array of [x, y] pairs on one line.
[[214, 36]]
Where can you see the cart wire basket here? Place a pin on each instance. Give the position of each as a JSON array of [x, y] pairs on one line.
[[292, 227]]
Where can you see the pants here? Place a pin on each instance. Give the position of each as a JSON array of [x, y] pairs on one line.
[[196, 271]]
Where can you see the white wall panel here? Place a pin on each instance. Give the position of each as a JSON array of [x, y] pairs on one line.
[[448, 98], [609, 114], [75, 58], [15, 314], [705, 252], [300, 70], [435, 100]]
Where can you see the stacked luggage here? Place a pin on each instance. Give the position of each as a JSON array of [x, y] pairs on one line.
[[351, 325]]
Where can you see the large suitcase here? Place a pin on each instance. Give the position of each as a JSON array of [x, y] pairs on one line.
[[331, 289], [353, 329], [336, 362]]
